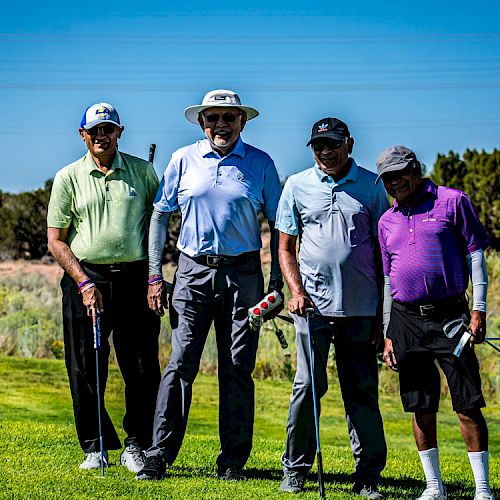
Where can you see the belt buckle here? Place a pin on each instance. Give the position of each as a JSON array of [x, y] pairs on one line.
[[116, 268], [426, 309], [213, 260]]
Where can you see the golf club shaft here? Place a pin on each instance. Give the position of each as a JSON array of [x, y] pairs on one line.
[[97, 347], [492, 345], [315, 406], [151, 156]]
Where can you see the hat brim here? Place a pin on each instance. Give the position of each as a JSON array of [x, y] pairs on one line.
[[89, 125], [191, 113], [392, 168]]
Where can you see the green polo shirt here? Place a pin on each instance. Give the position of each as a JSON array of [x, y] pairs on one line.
[[107, 214]]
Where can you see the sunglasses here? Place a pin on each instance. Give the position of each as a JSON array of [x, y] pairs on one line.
[[226, 117], [318, 146], [107, 129]]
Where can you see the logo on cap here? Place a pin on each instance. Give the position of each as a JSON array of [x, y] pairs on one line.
[[102, 110], [323, 127]]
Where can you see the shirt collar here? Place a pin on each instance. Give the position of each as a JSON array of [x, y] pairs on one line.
[[207, 151], [118, 163], [428, 189], [351, 176]]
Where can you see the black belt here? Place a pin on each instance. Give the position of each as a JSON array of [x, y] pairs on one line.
[[438, 308], [210, 260], [116, 267]]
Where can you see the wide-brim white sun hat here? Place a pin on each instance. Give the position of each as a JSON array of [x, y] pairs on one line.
[[219, 99]]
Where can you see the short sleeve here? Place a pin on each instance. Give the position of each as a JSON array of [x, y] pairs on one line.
[[380, 206], [272, 190], [386, 260], [287, 216], [59, 214], [166, 196], [469, 225]]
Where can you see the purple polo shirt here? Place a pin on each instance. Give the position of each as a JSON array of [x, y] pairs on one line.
[[424, 247]]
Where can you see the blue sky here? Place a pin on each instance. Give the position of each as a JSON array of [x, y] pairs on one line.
[[424, 74]]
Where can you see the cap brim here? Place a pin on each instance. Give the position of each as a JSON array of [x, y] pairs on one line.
[[191, 113], [327, 135], [89, 125], [392, 168]]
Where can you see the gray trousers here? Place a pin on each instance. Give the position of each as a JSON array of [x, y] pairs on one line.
[[203, 295], [358, 378]]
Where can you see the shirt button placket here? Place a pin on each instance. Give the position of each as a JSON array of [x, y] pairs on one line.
[[411, 229]]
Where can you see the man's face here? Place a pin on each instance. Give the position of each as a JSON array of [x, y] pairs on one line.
[[332, 156], [222, 126], [403, 184], [102, 139]]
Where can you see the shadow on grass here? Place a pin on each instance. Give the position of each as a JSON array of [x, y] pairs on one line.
[[406, 487]]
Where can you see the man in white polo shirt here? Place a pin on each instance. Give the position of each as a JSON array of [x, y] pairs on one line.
[[220, 184]]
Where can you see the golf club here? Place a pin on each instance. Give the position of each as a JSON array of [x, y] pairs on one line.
[[309, 312], [459, 325], [97, 348], [151, 156]]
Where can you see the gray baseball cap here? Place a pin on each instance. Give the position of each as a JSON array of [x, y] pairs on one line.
[[393, 159]]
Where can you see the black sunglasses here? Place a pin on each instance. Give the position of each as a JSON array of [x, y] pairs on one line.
[[107, 129], [318, 146], [226, 117]]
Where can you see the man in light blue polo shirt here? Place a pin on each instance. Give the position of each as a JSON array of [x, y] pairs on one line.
[[220, 184], [334, 208]]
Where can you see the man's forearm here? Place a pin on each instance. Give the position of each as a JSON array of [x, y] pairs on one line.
[[67, 260], [157, 238], [291, 273]]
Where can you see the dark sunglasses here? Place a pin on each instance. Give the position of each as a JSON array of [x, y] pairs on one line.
[[318, 146], [107, 129], [226, 117]]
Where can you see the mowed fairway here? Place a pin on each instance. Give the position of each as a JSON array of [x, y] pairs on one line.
[[39, 452]]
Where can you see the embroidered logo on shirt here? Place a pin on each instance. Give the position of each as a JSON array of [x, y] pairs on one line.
[[240, 176], [323, 127], [131, 192]]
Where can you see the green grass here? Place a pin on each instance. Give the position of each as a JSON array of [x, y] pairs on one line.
[[39, 452]]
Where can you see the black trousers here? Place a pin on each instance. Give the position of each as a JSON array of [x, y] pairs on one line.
[[135, 330]]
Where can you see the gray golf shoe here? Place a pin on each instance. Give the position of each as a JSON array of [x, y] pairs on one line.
[[293, 482], [93, 460], [133, 458]]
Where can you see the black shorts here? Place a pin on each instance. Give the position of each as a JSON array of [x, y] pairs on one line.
[[418, 342]]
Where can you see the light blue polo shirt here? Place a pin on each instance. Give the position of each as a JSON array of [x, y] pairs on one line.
[[219, 198], [337, 226]]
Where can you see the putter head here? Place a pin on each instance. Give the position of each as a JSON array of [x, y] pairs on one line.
[[455, 326]]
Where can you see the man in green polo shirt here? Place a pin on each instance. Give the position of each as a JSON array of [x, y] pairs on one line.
[[98, 220]]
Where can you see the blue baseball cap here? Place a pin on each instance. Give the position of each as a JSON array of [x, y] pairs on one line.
[[102, 112]]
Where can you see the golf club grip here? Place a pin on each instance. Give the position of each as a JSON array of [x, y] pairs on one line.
[[152, 150], [320, 475]]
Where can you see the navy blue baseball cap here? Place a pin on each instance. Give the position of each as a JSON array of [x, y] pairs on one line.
[[330, 128]]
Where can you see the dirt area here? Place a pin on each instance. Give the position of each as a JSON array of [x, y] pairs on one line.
[[53, 272], [9, 268]]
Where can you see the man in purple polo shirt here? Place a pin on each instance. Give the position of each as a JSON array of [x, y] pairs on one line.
[[431, 241]]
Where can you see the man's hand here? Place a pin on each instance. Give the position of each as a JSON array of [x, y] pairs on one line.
[[299, 304], [92, 300], [477, 327], [157, 297], [389, 356]]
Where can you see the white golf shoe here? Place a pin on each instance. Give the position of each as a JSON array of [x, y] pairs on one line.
[[93, 460], [132, 458], [484, 496], [433, 494]]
